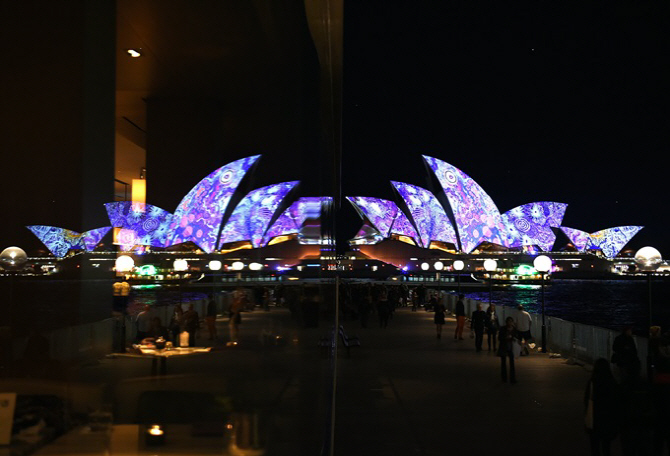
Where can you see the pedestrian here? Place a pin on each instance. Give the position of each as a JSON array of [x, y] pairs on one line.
[[624, 352], [210, 318], [478, 323], [492, 325], [508, 349], [235, 315], [439, 317], [602, 408], [175, 326], [191, 324], [415, 299], [383, 308], [142, 323], [638, 417], [523, 323], [460, 318]]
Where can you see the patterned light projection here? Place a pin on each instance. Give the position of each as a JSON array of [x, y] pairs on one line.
[[283, 226], [148, 227], [198, 217], [92, 238], [477, 217], [59, 241], [530, 224], [612, 240], [367, 235], [380, 212], [578, 238], [403, 227], [252, 215], [431, 221]]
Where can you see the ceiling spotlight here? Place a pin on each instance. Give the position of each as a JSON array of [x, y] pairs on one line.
[[134, 53]]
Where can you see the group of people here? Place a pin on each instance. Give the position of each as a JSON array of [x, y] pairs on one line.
[[508, 341]]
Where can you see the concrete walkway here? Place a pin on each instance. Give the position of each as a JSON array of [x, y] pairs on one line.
[[403, 392]]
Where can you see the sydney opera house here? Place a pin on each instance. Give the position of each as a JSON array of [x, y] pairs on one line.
[[220, 217]]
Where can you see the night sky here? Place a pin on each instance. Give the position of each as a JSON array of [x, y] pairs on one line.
[[536, 101]]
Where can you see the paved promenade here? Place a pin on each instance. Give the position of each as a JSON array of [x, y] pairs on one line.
[[403, 392]]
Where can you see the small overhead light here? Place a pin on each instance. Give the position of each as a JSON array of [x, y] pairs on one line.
[[134, 53]]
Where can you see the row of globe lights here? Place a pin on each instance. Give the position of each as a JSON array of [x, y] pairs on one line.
[[125, 263]]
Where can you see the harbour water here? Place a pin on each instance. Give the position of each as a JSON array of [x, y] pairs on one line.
[[605, 303]]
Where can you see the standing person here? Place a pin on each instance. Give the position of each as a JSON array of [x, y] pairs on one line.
[[625, 352], [439, 317], [508, 337], [637, 426], [235, 315], [176, 322], [523, 322], [603, 410], [415, 299], [492, 325], [477, 323], [460, 318], [191, 324], [210, 318], [383, 308], [142, 323]]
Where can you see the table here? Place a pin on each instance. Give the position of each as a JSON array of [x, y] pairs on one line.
[[144, 351]]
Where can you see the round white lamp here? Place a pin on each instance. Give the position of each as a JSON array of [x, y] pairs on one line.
[[237, 266], [425, 266], [124, 263], [648, 259], [438, 265], [458, 265], [490, 265], [180, 265], [255, 266], [13, 258], [215, 265]]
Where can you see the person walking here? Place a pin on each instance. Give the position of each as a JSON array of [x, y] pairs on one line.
[[191, 324], [602, 408], [523, 323], [492, 326], [508, 348], [460, 318], [235, 315], [625, 352], [176, 322], [439, 317], [478, 323]]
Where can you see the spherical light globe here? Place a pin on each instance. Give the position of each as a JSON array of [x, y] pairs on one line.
[[255, 266], [425, 266], [438, 265], [237, 266], [458, 265], [13, 258], [124, 263], [490, 265], [180, 265], [542, 263], [648, 259], [215, 265]]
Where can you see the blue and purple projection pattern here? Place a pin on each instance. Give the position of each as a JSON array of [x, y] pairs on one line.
[[252, 215], [379, 212], [367, 235], [92, 238], [477, 217], [578, 238], [198, 217], [530, 224], [285, 225], [148, 227], [612, 240], [403, 227], [59, 241], [429, 217]]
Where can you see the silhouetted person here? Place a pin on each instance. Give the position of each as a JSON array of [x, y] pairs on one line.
[[492, 325], [460, 318], [638, 413], [625, 352], [507, 337], [605, 414], [477, 324]]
